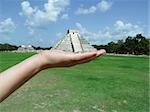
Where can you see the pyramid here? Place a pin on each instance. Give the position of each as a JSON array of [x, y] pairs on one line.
[[73, 42]]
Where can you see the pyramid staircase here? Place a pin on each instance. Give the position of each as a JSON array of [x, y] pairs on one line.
[[73, 42]]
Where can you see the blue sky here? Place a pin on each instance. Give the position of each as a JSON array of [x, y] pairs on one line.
[[44, 22]]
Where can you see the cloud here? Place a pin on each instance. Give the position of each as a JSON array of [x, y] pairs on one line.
[[65, 16], [119, 30], [27, 10], [36, 18], [7, 26], [127, 29], [103, 6], [90, 10]]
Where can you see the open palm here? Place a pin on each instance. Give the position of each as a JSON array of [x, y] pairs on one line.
[[57, 58]]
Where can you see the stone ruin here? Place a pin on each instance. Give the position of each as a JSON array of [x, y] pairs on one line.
[[73, 42]]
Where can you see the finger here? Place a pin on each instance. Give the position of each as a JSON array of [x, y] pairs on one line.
[[86, 60], [100, 52], [82, 56]]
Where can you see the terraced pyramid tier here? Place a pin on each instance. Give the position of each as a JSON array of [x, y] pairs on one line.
[[73, 42]]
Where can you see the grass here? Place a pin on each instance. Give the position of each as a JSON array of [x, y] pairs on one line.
[[107, 84]]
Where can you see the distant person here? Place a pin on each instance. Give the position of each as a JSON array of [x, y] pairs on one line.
[[17, 75]]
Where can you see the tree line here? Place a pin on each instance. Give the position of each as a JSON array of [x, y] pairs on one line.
[[137, 45], [9, 47]]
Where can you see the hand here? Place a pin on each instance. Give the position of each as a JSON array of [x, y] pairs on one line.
[[57, 58], [22, 72]]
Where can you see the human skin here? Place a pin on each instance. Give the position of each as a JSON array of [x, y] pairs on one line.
[[14, 77]]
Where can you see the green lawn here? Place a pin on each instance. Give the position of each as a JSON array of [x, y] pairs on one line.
[[107, 84]]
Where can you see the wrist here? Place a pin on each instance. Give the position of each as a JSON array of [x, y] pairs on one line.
[[42, 63], [37, 62]]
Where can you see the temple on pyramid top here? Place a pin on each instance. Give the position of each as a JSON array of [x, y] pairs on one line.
[[72, 31], [73, 42]]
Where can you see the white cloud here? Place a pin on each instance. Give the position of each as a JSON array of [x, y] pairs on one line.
[[65, 16], [120, 30], [103, 6], [81, 28], [26, 8], [81, 10], [36, 18], [127, 29], [7, 26]]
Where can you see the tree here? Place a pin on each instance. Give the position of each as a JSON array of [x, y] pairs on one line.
[[121, 49], [111, 47], [7, 47], [137, 45], [142, 45]]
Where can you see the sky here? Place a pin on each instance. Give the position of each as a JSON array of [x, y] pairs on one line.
[[44, 22]]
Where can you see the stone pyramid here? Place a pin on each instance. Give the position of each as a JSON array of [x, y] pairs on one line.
[[73, 42]]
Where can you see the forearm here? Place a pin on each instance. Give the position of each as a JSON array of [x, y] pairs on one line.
[[14, 77]]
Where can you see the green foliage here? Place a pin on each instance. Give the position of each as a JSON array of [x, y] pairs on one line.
[[41, 48], [7, 47], [132, 45]]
